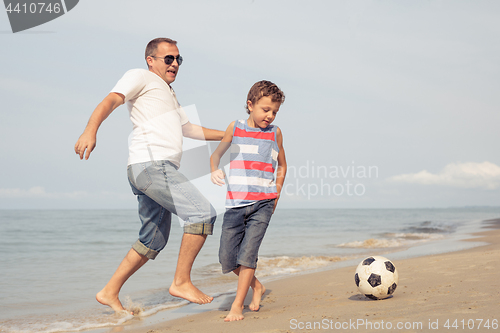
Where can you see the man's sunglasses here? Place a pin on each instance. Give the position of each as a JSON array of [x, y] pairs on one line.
[[169, 59]]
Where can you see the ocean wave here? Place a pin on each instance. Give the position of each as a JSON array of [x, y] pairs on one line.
[[412, 236], [392, 240], [51, 325], [273, 266], [430, 227], [149, 312], [372, 243]]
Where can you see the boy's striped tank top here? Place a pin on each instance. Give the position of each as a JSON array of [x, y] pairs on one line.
[[254, 157]]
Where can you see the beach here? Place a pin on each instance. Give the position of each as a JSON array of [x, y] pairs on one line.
[[307, 263], [454, 291]]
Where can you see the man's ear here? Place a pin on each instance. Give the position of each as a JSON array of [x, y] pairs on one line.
[[250, 105]]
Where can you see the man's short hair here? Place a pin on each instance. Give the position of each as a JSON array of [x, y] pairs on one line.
[[153, 46], [262, 89]]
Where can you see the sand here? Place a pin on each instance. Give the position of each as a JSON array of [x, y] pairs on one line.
[[460, 290]]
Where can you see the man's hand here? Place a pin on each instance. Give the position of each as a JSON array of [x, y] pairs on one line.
[[218, 177], [86, 142]]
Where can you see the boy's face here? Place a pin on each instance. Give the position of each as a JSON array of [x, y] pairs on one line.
[[263, 112]]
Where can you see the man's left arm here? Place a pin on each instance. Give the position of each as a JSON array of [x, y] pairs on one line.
[[197, 132]]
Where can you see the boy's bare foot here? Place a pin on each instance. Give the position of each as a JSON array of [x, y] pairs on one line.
[[235, 314], [258, 292], [112, 301], [189, 292]]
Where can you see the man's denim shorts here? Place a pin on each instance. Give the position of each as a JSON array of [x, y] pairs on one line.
[[162, 190], [242, 232]]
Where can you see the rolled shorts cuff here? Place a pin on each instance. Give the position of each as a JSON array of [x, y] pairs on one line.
[[246, 264], [199, 228], [226, 270], [144, 250]]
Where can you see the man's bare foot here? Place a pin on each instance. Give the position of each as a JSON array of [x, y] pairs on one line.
[[189, 292], [258, 292], [235, 314], [112, 301]]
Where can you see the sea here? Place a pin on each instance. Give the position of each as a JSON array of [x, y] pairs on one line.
[[53, 262]]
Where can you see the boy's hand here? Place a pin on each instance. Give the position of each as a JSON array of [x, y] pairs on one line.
[[275, 203], [218, 177]]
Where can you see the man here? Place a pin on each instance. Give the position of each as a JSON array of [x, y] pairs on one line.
[[155, 150]]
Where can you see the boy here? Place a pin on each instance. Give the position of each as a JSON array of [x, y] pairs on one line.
[[252, 193]]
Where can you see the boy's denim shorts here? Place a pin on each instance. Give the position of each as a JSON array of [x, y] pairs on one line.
[[162, 190], [242, 232]]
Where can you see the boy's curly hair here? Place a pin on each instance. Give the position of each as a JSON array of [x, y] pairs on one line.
[[262, 89]]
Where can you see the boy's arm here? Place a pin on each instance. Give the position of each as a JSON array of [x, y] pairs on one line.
[[281, 170], [87, 140], [197, 132], [217, 174]]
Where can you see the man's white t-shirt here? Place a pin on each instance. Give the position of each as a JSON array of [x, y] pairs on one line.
[[156, 115]]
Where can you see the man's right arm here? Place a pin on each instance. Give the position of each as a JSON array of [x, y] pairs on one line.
[[217, 176], [87, 140]]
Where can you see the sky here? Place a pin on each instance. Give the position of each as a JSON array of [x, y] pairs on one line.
[[389, 104]]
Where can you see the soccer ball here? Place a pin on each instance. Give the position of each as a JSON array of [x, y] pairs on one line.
[[376, 277]]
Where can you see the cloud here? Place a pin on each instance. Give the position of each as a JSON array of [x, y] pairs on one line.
[[484, 175], [37, 192], [33, 192]]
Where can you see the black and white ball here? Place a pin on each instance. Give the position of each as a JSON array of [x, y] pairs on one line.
[[376, 277]]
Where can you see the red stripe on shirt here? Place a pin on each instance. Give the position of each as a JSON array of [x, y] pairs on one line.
[[252, 165], [256, 196], [256, 135]]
